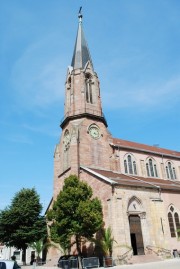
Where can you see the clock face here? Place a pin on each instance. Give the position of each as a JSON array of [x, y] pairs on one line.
[[94, 132]]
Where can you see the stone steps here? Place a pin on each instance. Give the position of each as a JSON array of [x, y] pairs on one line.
[[144, 259]]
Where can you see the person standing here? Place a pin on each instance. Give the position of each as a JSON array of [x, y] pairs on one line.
[[16, 266]]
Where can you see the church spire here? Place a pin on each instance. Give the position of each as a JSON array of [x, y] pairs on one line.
[[81, 53], [82, 87]]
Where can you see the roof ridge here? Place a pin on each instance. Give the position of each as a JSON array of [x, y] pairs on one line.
[[139, 146]]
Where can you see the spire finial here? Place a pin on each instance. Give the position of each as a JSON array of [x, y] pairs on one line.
[[80, 15]]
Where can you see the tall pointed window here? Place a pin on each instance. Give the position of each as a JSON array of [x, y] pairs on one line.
[[174, 224], [66, 143], [171, 224], [88, 83], [130, 165], [176, 218], [125, 167], [151, 168], [170, 171], [69, 83]]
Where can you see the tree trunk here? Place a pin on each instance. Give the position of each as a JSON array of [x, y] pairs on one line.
[[24, 256], [78, 246]]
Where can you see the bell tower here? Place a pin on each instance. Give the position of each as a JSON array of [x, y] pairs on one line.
[[82, 87], [85, 138]]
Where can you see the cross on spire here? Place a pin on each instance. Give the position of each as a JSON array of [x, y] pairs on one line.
[[80, 15]]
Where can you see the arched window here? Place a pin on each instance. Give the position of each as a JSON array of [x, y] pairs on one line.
[[130, 165], [170, 171], [176, 218], [134, 168], [174, 173], [125, 167], [69, 83], [174, 224], [147, 169], [88, 83], [171, 225], [151, 168], [66, 143]]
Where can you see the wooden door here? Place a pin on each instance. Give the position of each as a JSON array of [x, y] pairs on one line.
[[136, 235]]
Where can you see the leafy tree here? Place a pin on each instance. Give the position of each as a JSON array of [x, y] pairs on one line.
[[21, 222], [75, 214], [63, 242]]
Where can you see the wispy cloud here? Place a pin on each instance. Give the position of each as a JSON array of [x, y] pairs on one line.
[[146, 96], [18, 138], [44, 129], [38, 76]]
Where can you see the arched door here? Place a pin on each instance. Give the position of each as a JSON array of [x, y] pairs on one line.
[[136, 235]]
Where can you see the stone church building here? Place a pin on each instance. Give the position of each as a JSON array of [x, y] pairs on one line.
[[139, 185]]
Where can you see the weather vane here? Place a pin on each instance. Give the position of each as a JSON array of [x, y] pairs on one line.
[[80, 14]]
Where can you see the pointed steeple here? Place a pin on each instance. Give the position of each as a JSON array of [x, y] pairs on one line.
[[81, 53], [82, 87]]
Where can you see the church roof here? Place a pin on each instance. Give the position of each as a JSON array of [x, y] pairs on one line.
[[81, 53], [121, 179], [145, 148]]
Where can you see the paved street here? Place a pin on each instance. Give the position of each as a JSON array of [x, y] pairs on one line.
[[167, 264]]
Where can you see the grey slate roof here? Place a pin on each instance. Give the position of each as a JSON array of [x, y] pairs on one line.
[[81, 53]]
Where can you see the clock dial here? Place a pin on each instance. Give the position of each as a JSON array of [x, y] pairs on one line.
[[94, 132]]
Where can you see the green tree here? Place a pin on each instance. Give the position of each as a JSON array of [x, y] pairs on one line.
[[75, 214], [21, 222], [62, 241]]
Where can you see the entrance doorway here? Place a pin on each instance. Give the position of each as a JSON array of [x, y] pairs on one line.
[[136, 235]]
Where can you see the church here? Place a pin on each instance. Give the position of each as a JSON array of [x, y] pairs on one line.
[[138, 184]]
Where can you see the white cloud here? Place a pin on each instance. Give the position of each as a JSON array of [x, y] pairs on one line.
[[44, 129], [18, 138], [146, 96], [38, 76]]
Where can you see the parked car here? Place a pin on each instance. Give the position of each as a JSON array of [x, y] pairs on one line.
[[5, 264]]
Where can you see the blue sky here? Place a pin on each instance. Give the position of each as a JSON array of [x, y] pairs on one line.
[[134, 45]]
